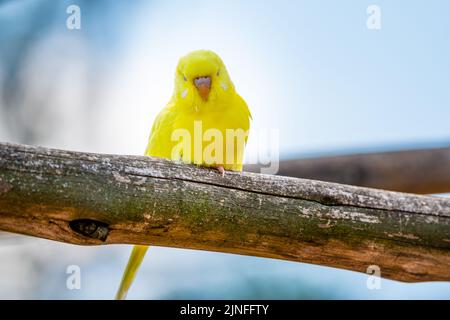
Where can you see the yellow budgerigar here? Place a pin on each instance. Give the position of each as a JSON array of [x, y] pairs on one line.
[[204, 100]]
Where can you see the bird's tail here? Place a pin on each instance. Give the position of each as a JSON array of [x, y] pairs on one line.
[[136, 257]]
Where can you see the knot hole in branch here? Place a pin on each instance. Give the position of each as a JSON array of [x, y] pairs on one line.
[[90, 228]]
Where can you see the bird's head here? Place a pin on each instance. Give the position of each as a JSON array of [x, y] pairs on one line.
[[201, 77]]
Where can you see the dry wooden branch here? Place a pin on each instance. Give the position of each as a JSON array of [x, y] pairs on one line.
[[92, 199], [418, 171]]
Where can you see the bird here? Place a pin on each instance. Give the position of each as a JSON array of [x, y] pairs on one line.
[[204, 98]]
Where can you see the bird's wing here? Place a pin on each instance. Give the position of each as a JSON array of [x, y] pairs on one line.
[[244, 106], [160, 143]]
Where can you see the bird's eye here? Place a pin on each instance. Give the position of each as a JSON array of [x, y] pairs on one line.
[[218, 73], [184, 78]]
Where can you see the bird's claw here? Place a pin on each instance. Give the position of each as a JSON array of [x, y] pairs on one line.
[[221, 169]]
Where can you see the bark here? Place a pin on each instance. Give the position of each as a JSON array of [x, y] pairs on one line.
[[93, 199]]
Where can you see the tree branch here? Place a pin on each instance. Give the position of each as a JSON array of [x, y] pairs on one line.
[[93, 199], [419, 171]]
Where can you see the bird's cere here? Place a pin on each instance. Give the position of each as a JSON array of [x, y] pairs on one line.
[[202, 81]]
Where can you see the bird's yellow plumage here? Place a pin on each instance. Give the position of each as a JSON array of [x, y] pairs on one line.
[[205, 107]]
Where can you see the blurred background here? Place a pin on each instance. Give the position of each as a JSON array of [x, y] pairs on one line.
[[312, 70]]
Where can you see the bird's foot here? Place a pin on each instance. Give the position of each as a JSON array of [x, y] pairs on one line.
[[221, 169]]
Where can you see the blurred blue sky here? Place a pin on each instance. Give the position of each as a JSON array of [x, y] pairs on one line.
[[310, 69]]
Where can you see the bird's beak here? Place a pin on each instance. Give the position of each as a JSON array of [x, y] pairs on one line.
[[203, 85]]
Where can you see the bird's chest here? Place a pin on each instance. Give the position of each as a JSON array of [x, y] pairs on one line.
[[202, 122], [212, 138]]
